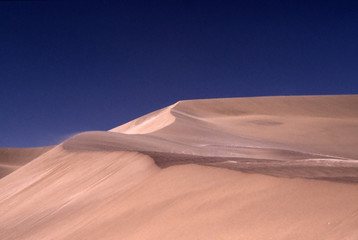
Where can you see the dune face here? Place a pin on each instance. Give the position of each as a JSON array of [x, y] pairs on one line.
[[240, 168]]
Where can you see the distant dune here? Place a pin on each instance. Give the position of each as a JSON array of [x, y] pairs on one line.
[[238, 168], [13, 158]]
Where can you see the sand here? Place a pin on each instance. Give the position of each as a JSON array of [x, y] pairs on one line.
[[241, 168]]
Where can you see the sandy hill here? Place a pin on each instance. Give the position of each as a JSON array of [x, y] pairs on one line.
[[169, 175]]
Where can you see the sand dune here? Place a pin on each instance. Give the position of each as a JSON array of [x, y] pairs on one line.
[[13, 158], [170, 175]]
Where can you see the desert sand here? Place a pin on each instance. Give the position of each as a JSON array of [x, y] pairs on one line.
[[238, 168]]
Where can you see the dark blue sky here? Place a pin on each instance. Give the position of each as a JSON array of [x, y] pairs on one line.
[[68, 67]]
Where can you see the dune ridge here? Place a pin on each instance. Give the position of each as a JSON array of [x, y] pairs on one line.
[[169, 175], [148, 123]]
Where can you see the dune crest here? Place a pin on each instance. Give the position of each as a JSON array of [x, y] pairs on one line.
[[148, 123]]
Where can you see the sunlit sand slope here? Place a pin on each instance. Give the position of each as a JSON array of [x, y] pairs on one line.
[[13, 158], [124, 195]]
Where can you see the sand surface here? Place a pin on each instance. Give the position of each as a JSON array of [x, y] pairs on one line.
[[241, 168]]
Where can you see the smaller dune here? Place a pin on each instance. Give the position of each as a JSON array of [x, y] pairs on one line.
[[13, 158]]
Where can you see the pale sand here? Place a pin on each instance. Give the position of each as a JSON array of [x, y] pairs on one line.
[[127, 184]]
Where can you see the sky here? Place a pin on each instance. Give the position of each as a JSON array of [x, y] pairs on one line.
[[73, 66]]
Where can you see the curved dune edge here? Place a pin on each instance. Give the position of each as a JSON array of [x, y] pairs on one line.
[[149, 123], [269, 161]]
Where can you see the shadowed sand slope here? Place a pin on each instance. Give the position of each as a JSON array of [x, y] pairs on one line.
[[169, 175], [13, 158], [270, 161]]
